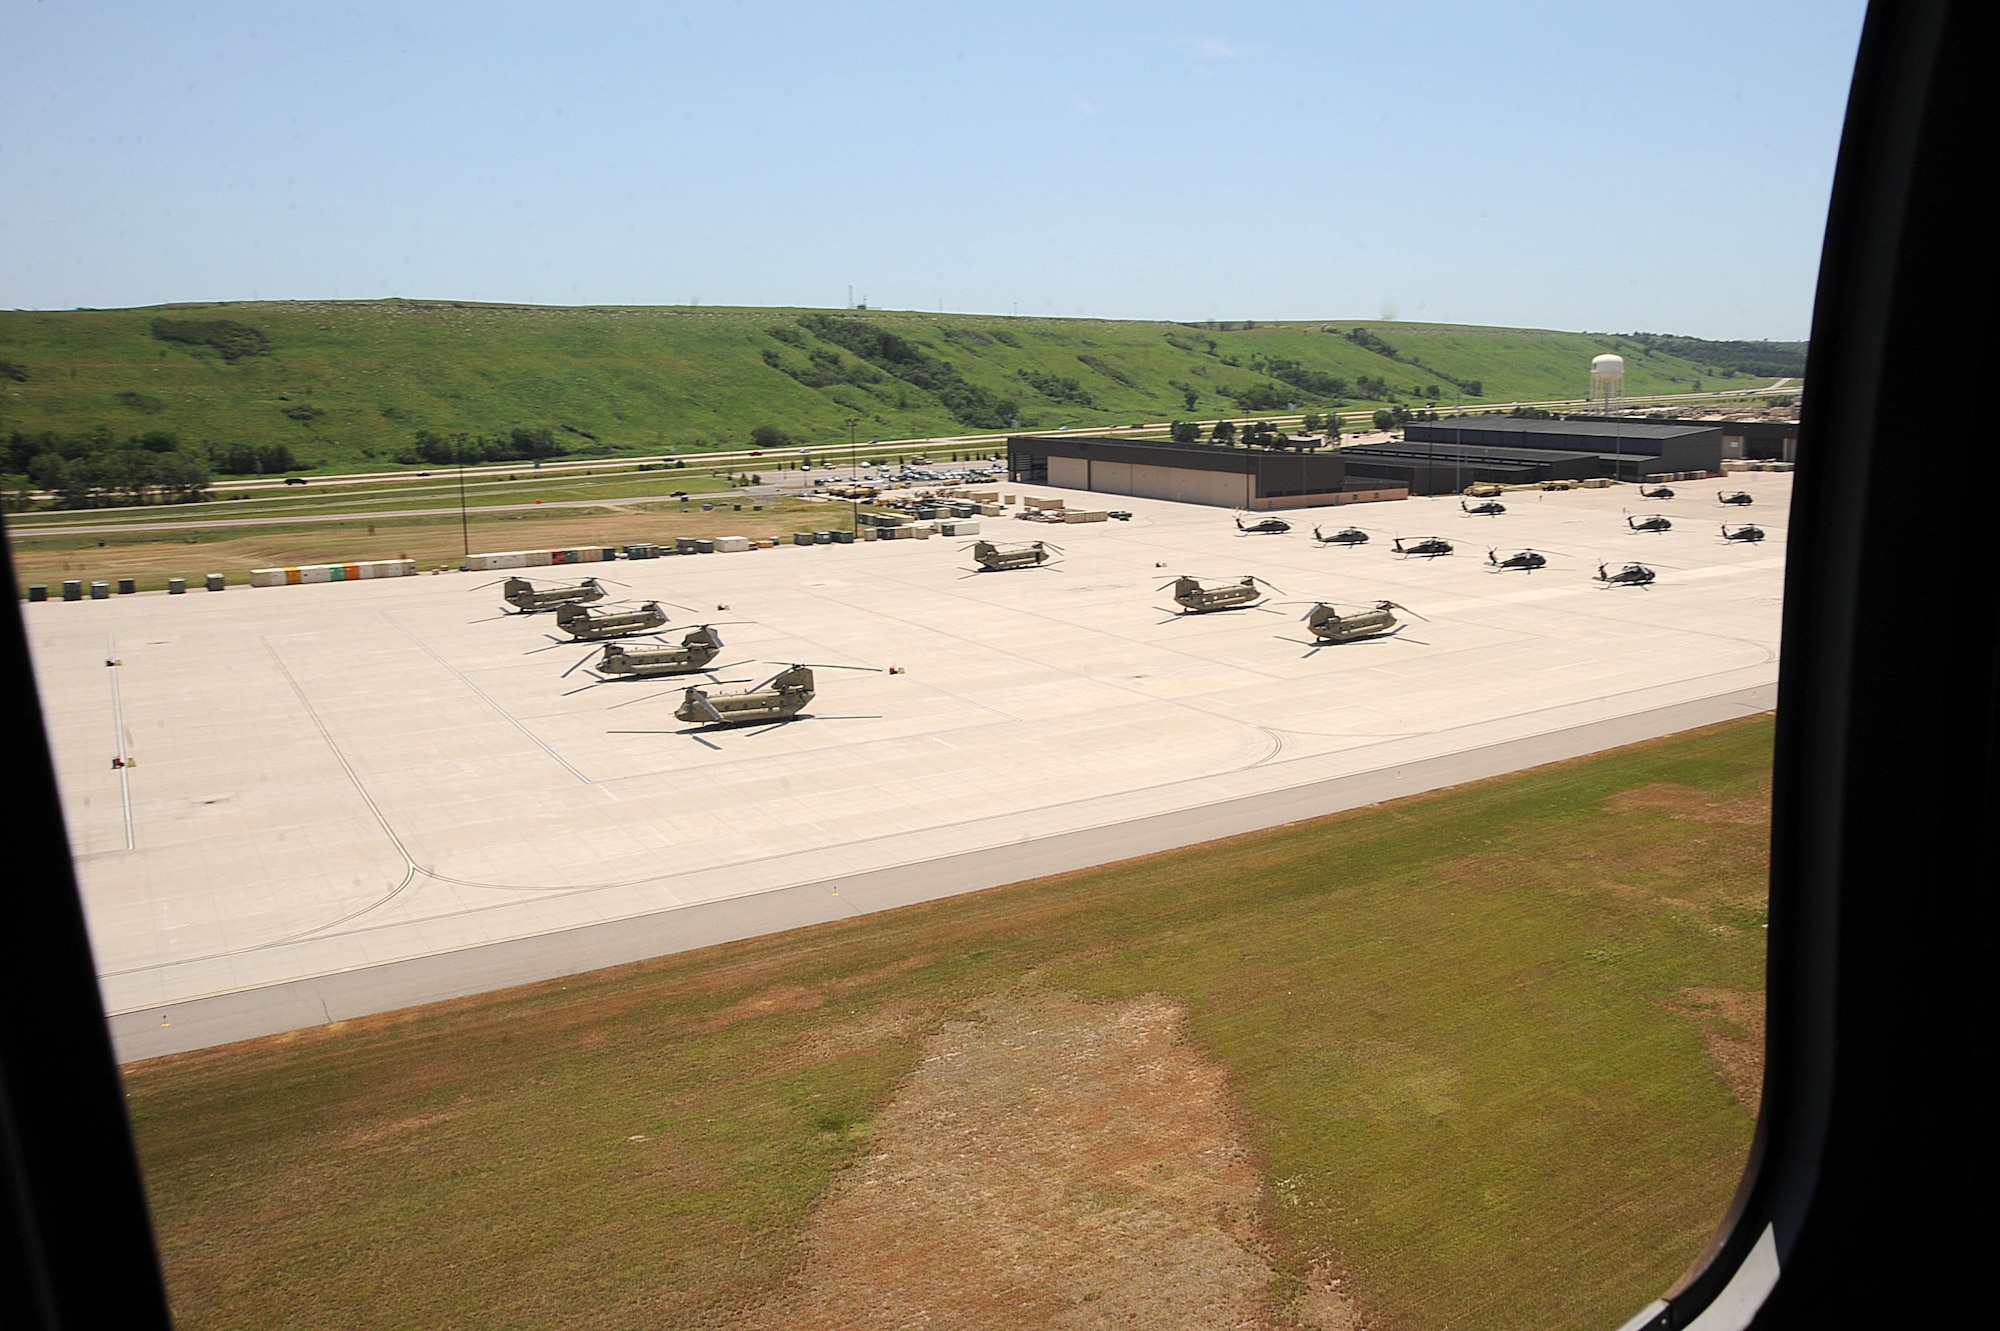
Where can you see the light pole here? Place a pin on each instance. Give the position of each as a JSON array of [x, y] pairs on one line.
[[464, 523]]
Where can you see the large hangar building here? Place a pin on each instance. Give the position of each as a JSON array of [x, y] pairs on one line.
[[1213, 474], [1441, 457]]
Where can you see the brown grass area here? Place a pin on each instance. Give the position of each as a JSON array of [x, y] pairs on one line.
[[1731, 1023], [1050, 1163], [1689, 802]]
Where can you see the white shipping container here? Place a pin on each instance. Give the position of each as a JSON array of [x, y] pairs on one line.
[[731, 544]]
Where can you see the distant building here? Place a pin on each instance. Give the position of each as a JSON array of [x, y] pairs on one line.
[[1762, 441], [1441, 457], [1214, 474]]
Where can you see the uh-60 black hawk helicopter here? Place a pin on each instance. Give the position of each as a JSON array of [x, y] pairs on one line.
[[779, 698], [1430, 547], [1632, 575], [1485, 508], [1195, 599], [529, 599], [586, 626], [1345, 536], [624, 660], [993, 558], [1525, 560], [1657, 492], [1267, 527], [1326, 623], [1733, 496], [1749, 532], [1651, 522]]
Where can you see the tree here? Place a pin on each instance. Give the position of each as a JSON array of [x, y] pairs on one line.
[[1311, 423], [1223, 433], [1184, 432], [769, 436], [1190, 397], [1332, 428]]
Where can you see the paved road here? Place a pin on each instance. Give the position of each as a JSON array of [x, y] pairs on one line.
[[360, 515], [249, 1013]]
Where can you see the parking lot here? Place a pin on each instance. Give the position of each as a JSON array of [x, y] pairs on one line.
[[325, 779]]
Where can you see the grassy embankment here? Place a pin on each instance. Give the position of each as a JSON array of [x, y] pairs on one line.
[[347, 384], [1495, 1047], [390, 520]]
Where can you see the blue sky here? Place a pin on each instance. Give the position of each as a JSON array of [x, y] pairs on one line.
[[1592, 166]]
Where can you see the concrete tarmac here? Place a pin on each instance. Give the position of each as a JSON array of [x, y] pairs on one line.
[[346, 798]]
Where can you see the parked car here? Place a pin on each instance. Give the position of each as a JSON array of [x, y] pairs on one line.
[[295, 480]]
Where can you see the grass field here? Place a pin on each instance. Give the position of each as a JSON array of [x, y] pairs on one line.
[[1494, 1051], [355, 522], [358, 379]]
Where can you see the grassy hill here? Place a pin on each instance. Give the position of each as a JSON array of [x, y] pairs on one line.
[[341, 384]]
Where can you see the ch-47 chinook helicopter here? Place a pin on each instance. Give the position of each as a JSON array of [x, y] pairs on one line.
[[527, 598], [1733, 496], [1525, 560], [1651, 522], [1345, 536], [779, 698], [1749, 531], [1430, 547], [1632, 575], [1657, 492], [1485, 508], [584, 626], [1326, 623], [622, 660], [993, 558], [1195, 599], [1268, 527]]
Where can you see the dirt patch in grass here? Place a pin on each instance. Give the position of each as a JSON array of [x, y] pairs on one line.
[[1054, 1163], [1731, 1022], [1690, 802]]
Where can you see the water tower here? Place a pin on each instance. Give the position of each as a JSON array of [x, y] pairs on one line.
[[1607, 383]]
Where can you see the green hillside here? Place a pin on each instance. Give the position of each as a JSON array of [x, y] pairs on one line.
[[339, 384]]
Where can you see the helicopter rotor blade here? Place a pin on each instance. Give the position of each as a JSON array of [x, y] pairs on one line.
[[579, 665], [1411, 613], [644, 698]]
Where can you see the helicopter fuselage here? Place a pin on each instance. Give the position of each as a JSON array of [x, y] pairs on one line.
[[527, 598], [1430, 547], [1330, 626], [1526, 560], [1346, 536], [584, 626], [781, 698], [1632, 575], [693, 653], [1193, 598], [993, 558]]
